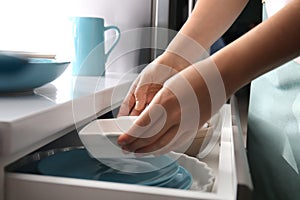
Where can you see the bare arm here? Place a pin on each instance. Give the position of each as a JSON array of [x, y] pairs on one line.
[[270, 44], [208, 22], [266, 47]]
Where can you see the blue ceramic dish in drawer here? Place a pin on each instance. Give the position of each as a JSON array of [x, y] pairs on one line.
[[78, 164], [18, 74]]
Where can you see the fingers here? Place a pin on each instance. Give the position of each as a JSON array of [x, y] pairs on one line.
[[129, 101], [182, 142], [125, 139], [152, 130], [156, 145], [136, 100], [127, 105], [143, 96], [160, 144], [172, 140], [140, 101], [137, 144], [140, 95], [149, 123]]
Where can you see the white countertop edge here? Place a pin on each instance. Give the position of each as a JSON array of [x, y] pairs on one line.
[[17, 135]]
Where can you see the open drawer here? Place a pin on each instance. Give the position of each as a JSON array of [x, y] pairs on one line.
[[222, 160]]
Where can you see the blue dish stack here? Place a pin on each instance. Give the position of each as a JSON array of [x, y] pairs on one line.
[[161, 171]]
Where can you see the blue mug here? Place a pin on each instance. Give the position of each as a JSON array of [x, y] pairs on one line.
[[89, 45]]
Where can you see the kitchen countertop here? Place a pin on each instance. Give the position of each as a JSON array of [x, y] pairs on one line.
[[56, 108]]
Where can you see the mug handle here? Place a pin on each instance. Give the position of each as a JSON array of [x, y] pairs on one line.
[[115, 42]]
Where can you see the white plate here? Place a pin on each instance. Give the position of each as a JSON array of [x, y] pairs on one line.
[[100, 137], [203, 176]]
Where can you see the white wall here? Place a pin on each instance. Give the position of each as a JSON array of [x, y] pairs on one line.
[[42, 25]]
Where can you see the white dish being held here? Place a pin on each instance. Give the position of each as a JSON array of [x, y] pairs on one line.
[[100, 137]]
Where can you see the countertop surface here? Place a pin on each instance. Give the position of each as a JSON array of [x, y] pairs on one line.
[[67, 101], [64, 89]]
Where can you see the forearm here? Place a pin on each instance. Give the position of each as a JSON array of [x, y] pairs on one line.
[[264, 48], [209, 20]]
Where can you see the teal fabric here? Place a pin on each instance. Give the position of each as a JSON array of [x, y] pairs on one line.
[[274, 133]]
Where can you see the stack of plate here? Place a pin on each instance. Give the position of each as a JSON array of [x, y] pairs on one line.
[[161, 171]]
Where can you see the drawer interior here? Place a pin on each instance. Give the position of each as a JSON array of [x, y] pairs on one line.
[[22, 180]]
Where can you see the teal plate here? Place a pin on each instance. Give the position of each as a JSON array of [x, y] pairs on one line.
[[78, 164], [19, 74]]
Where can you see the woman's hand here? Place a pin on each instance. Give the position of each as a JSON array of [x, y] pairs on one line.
[[144, 88], [180, 53], [172, 119], [149, 82], [170, 122]]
